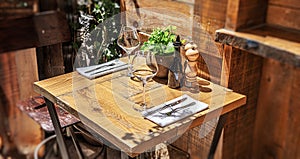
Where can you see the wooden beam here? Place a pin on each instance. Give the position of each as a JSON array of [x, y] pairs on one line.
[[266, 46], [45, 28]]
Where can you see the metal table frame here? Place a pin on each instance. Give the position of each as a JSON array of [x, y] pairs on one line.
[[65, 153]]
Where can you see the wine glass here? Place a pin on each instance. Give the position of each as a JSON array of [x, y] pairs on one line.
[[144, 67], [128, 40]]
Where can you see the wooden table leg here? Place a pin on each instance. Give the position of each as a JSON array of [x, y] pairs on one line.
[[57, 128], [217, 136]]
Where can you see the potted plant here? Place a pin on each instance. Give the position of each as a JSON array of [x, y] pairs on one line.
[[161, 43]]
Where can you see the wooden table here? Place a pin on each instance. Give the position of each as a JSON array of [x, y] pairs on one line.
[[105, 105]]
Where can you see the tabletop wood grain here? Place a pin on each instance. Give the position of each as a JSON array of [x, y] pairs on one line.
[[105, 105]]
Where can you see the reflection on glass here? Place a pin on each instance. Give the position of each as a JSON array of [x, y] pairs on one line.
[[128, 40], [144, 68]]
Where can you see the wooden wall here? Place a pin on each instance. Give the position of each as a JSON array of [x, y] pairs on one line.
[[208, 17], [284, 13], [17, 9], [277, 125], [231, 67], [242, 14], [268, 118], [245, 73], [243, 76]]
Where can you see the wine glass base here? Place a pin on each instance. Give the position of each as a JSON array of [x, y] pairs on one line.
[[140, 107]]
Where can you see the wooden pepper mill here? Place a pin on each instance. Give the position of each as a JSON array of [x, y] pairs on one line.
[[192, 54]]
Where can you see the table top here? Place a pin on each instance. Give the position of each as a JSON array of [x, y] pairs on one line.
[[105, 105]]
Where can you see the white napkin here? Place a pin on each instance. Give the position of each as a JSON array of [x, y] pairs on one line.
[[191, 106], [95, 71]]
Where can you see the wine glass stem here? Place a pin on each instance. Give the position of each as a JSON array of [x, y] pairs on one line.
[[144, 95], [129, 70]]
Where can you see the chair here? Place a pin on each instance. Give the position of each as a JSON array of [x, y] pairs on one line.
[[40, 30], [35, 107]]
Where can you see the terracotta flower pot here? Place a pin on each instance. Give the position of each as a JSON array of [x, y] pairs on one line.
[[164, 62]]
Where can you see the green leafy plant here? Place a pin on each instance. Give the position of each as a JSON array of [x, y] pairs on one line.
[[96, 42], [161, 41]]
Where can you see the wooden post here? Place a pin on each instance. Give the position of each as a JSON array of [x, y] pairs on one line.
[[52, 61], [241, 72], [18, 72], [277, 121]]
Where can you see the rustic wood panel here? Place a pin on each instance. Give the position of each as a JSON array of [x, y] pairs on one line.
[[26, 65], [284, 16], [172, 6], [210, 67], [211, 15], [197, 141], [243, 14], [149, 14], [287, 3], [19, 71], [275, 31], [242, 74], [17, 9], [277, 125], [213, 9], [208, 16], [51, 61], [293, 129], [40, 30]]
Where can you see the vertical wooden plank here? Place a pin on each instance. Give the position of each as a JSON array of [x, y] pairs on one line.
[[51, 61], [27, 72], [241, 73], [293, 128], [226, 63], [277, 129], [19, 71], [6, 102], [210, 15], [242, 14], [232, 14], [123, 5], [26, 69], [284, 16]]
